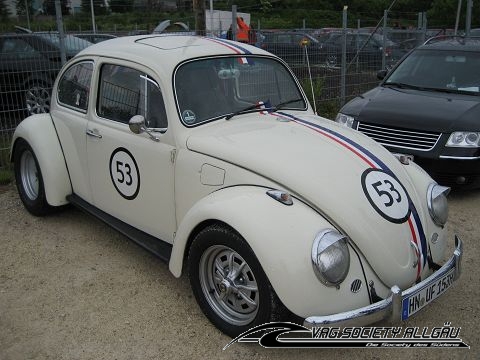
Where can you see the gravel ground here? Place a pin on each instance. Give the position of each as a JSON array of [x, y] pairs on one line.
[[73, 288]]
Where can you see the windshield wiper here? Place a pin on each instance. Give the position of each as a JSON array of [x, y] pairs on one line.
[[403, 85], [282, 104], [257, 107], [451, 91], [422, 88]]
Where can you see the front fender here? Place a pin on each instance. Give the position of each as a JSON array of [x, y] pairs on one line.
[[281, 237], [38, 131]]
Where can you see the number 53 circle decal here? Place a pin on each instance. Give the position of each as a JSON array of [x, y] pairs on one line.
[[124, 173], [387, 196]]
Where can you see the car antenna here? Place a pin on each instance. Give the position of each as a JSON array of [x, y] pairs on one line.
[[304, 44]]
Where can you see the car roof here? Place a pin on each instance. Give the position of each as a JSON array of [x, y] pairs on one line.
[[452, 43], [165, 51]]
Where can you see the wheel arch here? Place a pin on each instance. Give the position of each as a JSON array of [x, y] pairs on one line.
[[39, 132], [280, 236]]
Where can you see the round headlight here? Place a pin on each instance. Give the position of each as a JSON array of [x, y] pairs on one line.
[[437, 203], [330, 257]]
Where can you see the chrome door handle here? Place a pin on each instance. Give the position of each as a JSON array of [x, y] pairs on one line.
[[93, 133]]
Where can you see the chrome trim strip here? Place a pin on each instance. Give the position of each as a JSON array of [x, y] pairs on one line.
[[460, 157], [391, 307]]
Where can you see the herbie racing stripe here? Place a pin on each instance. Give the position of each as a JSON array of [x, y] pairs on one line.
[[414, 223], [235, 47]]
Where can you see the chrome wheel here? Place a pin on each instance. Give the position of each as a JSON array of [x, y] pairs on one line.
[[229, 285], [29, 175], [37, 100], [331, 61]]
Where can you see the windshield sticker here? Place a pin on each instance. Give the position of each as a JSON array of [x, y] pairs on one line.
[[189, 117], [387, 196], [124, 173]]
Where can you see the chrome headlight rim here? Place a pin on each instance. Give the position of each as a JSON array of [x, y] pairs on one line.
[[434, 191], [345, 120], [467, 139], [322, 242]]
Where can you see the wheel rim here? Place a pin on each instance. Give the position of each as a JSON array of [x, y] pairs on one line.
[[38, 100], [229, 285], [331, 61], [29, 175]]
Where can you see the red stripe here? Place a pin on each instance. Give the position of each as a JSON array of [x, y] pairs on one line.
[[416, 242], [223, 44]]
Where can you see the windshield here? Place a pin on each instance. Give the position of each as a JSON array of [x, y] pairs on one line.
[[209, 89], [72, 44], [451, 71]]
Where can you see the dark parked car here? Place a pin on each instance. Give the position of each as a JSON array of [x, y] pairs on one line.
[[371, 46], [29, 64], [428, 107], [94, 38], [290, 46]]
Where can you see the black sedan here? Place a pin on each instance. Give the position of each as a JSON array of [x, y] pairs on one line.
[[29, 64], [291, 46], [363, 50], [429, 108]]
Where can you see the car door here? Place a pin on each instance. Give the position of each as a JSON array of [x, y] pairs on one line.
[[70, 116], [131, 175]]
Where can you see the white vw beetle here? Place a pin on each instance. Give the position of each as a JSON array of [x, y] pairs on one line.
[[207, 153]]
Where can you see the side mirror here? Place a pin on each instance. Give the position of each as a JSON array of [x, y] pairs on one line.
[[137, 124], [381, 74]]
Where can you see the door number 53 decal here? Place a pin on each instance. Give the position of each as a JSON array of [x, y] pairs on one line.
[[387, 196], [124, 173]]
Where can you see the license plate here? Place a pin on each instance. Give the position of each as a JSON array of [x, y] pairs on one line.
[[422, 297]]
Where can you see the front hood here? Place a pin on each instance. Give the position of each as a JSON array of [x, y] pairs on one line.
[[323, 164], [414, 109]]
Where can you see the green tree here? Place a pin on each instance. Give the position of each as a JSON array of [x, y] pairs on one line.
[[121, 6], [49, 7], [4, 11], [99, 7], [22, 7]]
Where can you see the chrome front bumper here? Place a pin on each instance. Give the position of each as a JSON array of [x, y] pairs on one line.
[[391, 307]]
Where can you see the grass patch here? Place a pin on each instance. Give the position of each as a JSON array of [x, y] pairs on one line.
[[6, 176]]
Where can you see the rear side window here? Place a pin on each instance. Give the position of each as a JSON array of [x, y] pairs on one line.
[[74, 86]]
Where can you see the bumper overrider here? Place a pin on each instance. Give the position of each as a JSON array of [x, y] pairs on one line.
[[392, 307]]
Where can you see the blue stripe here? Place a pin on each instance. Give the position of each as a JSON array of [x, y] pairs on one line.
[[383, 166], [234, 44]]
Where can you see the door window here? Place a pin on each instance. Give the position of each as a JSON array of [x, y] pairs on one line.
[[125, 92]]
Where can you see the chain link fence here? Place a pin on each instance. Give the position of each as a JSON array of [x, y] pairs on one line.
[[332, 64]]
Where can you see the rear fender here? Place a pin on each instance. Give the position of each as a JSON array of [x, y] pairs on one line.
[[39, 132]]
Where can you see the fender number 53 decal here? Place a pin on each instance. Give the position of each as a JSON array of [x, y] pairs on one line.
[[124, 173], [387, 196]]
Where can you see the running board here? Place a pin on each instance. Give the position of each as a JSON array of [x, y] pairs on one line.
[[157, 247]]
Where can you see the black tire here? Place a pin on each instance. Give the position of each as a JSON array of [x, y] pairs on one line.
[[233, 315], [29, 180]]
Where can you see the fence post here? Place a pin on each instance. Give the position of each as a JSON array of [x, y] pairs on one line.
[[457, 20], [384, 35], [61, 33], [93, 16], [468, 20], [234, 22], [344, 55]]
